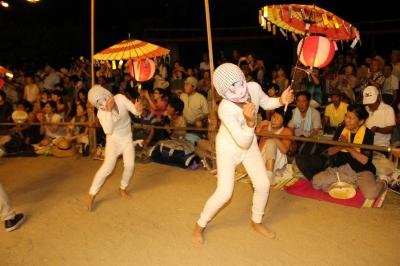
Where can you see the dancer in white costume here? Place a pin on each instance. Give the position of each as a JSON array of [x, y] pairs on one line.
[[236, 143], [113, 114]]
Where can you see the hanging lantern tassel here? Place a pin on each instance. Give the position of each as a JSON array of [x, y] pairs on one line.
[[335, 44], [273, 29], [325, 19], [114, 65], [131, 69], [265, 12], [353, 44], [294, 37], [283, 32], [120, 63], [335, 22], [269, 26], [108, 64]]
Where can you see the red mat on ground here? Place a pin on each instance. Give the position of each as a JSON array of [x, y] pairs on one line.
[[303, 188]]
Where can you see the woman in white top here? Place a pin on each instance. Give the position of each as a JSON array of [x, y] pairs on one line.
[[113, 114], [31, 90], [236, 143]]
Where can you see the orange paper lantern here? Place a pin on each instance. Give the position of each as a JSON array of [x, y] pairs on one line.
[[144, 69]]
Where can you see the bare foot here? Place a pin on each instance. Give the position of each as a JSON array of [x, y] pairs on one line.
[[89, 202], [197, 236], [260, 228], [124, 194]]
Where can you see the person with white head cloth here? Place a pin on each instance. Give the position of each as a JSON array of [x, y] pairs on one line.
[[236, 143], [113, 114]]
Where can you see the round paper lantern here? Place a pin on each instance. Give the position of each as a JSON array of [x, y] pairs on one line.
[[144, 69], [317, 51], [130, 69]]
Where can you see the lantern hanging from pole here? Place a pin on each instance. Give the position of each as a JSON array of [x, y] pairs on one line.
[[130, 69], [144, 69], [317, 51]]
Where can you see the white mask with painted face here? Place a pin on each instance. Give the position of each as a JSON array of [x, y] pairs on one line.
[[238, 92]]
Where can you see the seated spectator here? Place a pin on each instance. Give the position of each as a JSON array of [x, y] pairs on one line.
[[31, 90], [381, 120], [281, 79], [354, 165], [312, 84], [82, 96], [79, 133], [51, 132], [306, 120], [346, 82], [375, 77], [177, 81], [204, 84], [174, 111], [158, 104], [147, 134], [61, 108], [44, 98], [5, 113], [274, 150], [395, 139], [334, 112], [390, 86], [272, 91], [195, 104]]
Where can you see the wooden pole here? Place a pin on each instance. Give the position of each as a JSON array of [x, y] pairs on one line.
[[91, 116], [213, 120]]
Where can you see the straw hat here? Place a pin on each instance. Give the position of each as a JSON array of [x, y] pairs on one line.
[[342, 190], [63, 148], [19, 116]]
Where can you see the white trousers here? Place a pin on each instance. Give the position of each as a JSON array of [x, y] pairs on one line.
[[6, 211], [227, 160], [112, 151]]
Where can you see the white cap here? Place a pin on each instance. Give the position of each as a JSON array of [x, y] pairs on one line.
[[225, 76], [96, 93], [370, 95]]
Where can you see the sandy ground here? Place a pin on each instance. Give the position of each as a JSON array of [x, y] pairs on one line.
[[154, 227]]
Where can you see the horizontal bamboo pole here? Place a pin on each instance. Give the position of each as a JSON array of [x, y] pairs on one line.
[[316, 139]]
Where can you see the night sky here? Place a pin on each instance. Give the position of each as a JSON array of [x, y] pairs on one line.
[[55, 30]]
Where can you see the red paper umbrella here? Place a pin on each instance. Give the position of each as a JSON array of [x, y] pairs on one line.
[[307, 20], [131, 49]]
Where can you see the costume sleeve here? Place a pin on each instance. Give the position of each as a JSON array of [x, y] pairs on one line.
[[266, 102], [129, 105], [106, 121], [241, 134]]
